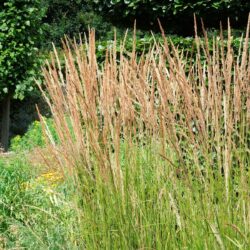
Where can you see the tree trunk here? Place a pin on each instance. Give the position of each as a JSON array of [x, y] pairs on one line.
[[5, 127]]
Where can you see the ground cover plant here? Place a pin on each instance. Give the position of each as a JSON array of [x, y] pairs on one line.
[[152, 152], [34, 211]]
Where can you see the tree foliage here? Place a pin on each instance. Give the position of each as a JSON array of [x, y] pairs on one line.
[[20, 31]]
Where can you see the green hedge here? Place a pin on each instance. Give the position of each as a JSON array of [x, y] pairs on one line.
[[162, 8], [177, 14]]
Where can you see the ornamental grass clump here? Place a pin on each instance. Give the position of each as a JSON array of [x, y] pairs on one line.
[[157, 144]]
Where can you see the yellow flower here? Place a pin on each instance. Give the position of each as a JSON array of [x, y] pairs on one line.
[[48, 181]]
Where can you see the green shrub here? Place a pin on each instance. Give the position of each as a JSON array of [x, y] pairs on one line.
[[33, 138]]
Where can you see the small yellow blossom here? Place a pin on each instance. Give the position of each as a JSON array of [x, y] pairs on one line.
[[48, 181]]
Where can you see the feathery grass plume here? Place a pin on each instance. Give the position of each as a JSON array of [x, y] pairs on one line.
[[155, 140]]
